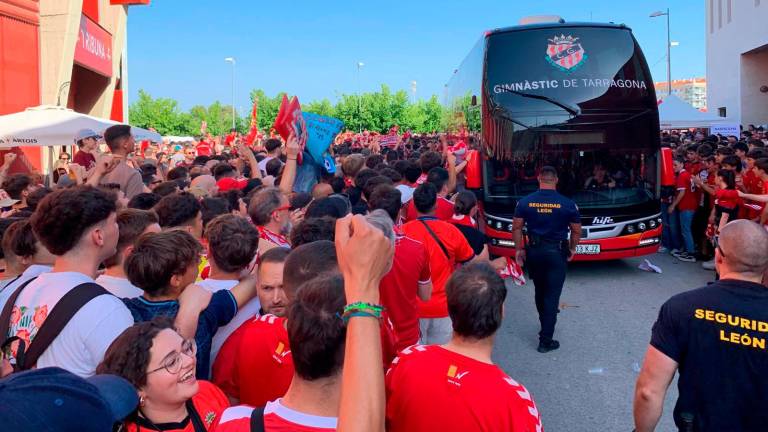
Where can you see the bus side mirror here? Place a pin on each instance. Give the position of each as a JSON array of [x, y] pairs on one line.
[[474, 100], [667, 172]]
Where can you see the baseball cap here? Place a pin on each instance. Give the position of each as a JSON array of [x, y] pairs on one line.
[[228, 183], [86, 133], [52, 399]]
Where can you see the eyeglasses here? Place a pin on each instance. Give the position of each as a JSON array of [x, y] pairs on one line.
[[279, 209], [172, 362], [64, 158]]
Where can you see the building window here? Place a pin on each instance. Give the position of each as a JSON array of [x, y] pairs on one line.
[[721, 111]]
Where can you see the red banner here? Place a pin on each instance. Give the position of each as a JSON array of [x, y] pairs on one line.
[[94, 47]]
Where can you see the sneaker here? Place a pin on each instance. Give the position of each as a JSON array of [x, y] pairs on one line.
[[686, 257], [675, 252], [662, 249], [708, 265], [545, 347]]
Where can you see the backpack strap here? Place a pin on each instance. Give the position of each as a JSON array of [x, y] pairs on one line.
[[434, 236], [5, 315], [257, 420], [61, 314]]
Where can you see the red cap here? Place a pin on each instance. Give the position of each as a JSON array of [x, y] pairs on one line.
[[228, 183]]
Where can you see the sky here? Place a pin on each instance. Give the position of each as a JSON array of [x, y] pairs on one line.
[[177, 48]]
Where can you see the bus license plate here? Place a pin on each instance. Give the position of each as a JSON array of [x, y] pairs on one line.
[[589, 249]]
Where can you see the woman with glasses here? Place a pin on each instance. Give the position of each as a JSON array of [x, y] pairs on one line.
[[61, 167], [160, 364]]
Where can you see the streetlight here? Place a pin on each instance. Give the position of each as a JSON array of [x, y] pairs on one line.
[[232, 60], [359, 97], [669, 44], [413, 90]]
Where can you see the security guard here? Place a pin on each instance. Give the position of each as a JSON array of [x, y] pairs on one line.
[[547, 215]]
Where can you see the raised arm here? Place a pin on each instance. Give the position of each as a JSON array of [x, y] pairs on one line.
[[289, 172], [365, 255]]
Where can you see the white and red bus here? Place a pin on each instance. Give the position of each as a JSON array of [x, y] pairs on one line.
[[576, 96]]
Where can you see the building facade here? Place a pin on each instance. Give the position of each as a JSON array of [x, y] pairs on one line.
[[737, 59], [63, 52], [693, 91]]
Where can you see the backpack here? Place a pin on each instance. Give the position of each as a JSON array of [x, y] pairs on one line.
[[62, 313]]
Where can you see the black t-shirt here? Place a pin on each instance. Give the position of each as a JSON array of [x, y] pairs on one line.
[[547, 214], [718, 335], [475, 238]]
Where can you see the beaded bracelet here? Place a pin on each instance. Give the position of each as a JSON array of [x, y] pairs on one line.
[[363, 305]]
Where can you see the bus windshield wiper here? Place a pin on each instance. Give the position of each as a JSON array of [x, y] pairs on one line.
[[572, 110], [499, 111]]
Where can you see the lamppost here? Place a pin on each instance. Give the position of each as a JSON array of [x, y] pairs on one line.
[[669, 44], [232, 60], [359, 97], [413, 91]]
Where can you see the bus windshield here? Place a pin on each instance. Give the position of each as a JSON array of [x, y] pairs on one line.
[[579, 99], [593, 174]]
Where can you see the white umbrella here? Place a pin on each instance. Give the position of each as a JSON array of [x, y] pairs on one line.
[[48, 125]]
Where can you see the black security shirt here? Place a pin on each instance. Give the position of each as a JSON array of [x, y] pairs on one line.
[[718, 336], [547, 214]]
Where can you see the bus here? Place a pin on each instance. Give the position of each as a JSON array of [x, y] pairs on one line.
[[578, 97]]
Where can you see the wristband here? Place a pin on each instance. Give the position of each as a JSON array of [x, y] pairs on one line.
[[352, 314]]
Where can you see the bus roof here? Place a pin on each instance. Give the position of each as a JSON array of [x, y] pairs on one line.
[[555, 25]]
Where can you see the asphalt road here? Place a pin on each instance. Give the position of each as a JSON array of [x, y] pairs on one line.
[[607, 310]]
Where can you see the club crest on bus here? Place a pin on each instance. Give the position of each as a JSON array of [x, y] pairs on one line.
[[565, 53]]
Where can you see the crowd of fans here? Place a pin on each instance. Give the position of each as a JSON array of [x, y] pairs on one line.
[[225, 298], [226, 301], [718, 179]]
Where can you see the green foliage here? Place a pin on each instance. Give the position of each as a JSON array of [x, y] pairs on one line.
[[375, 111]]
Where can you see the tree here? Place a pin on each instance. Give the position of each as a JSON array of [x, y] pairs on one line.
[[162, 114]]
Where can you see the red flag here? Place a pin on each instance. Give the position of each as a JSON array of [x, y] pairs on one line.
[[289, 121], [253, 132]]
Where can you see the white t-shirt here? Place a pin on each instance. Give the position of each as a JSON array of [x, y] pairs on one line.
[[248, 311], [81, 345], [32, 271], [120, 287], [263, 164], [406, 192]]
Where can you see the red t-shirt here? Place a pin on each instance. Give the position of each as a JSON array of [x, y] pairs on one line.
[[209, 402], [203, 149], [229, 139], [399, 289], [255, 364], [753, 185], [444, 210], [85, 159], [727, 198], [459, 251], [465, 220], [432, 389], [277, 418], [692, 195]]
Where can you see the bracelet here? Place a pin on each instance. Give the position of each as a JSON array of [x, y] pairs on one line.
[[348, 315], [363, 305]]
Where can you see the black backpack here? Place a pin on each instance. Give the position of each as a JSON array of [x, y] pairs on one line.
[[62, 313]]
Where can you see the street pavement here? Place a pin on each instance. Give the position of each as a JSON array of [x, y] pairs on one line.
[[604, 326]]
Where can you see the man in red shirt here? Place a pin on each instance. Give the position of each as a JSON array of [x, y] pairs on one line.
[[205, 146], [87, 144], [317, 336], [409, 279], [255, 365], [447, 247], [229, 140], [686, 203], [440, 178], [457, 386]]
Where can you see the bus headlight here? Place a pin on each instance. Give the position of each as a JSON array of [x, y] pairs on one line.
[[652, 223], [641, 226], [631, 229]]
